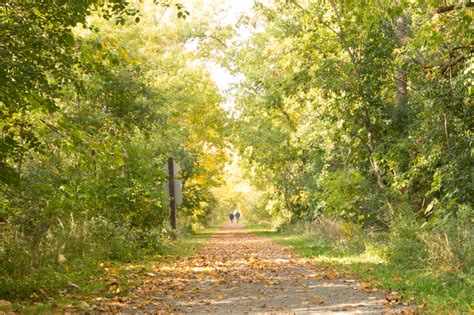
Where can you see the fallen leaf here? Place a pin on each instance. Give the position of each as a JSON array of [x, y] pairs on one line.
[[393, 297], [422, 305], [83, 305], [75, 286], [5, 305]]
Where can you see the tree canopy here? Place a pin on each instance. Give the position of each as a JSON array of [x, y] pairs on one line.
[[358, 111]]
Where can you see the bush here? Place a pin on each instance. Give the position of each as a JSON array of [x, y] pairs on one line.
[[444, 244], [450, 243], [46, 263], [112, 241], [348, 195], [407, 247]]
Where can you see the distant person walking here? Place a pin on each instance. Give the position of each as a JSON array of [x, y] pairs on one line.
[[231, 217], [237, 216]]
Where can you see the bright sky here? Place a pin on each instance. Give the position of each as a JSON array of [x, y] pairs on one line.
[[222, 78], [236, 8]]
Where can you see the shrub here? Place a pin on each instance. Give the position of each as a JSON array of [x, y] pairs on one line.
[[450, 242], [444, 244], [407, 247]]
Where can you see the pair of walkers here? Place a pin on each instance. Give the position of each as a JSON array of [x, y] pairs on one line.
[[235, 215]]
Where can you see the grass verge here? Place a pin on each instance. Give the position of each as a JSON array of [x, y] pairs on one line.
[[86, 280], [432, 291]]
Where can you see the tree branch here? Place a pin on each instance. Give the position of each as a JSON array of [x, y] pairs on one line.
[[214, 38], [453, 7], [445, 66]]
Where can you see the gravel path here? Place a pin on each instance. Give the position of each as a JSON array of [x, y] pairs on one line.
[[239, 272]]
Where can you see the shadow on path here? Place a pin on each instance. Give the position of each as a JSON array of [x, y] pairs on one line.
[[239, 272]]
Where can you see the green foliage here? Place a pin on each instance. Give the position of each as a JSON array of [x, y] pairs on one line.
[[319, 117], [88, 119], [347, 194], [364, 254], [362, 113], [350, 116], [407, 246], [36, 63]]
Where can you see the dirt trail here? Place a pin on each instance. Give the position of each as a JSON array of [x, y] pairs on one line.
[[239, 272]]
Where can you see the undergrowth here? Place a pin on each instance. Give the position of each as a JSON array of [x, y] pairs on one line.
[[61, 285], [397, 260]]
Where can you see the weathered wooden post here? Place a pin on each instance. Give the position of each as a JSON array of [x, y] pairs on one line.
[[172, 193], [173, 189]]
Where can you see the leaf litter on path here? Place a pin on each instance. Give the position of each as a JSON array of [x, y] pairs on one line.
[[239, 272]]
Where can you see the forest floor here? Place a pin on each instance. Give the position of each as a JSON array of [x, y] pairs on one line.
[[239, 272]]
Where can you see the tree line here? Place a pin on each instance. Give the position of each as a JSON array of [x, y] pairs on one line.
[[361, 111], [95, 97]]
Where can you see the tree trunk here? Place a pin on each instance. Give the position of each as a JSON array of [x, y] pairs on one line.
[[374, 163], [372, 149], [367, 122], [401, 76]]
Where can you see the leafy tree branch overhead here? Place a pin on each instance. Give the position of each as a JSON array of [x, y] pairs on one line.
[[345, 125]]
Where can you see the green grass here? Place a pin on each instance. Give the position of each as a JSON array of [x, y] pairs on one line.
[[441, 292], [51, 289]]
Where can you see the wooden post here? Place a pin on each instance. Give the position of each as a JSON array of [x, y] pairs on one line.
[[172, 193]]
